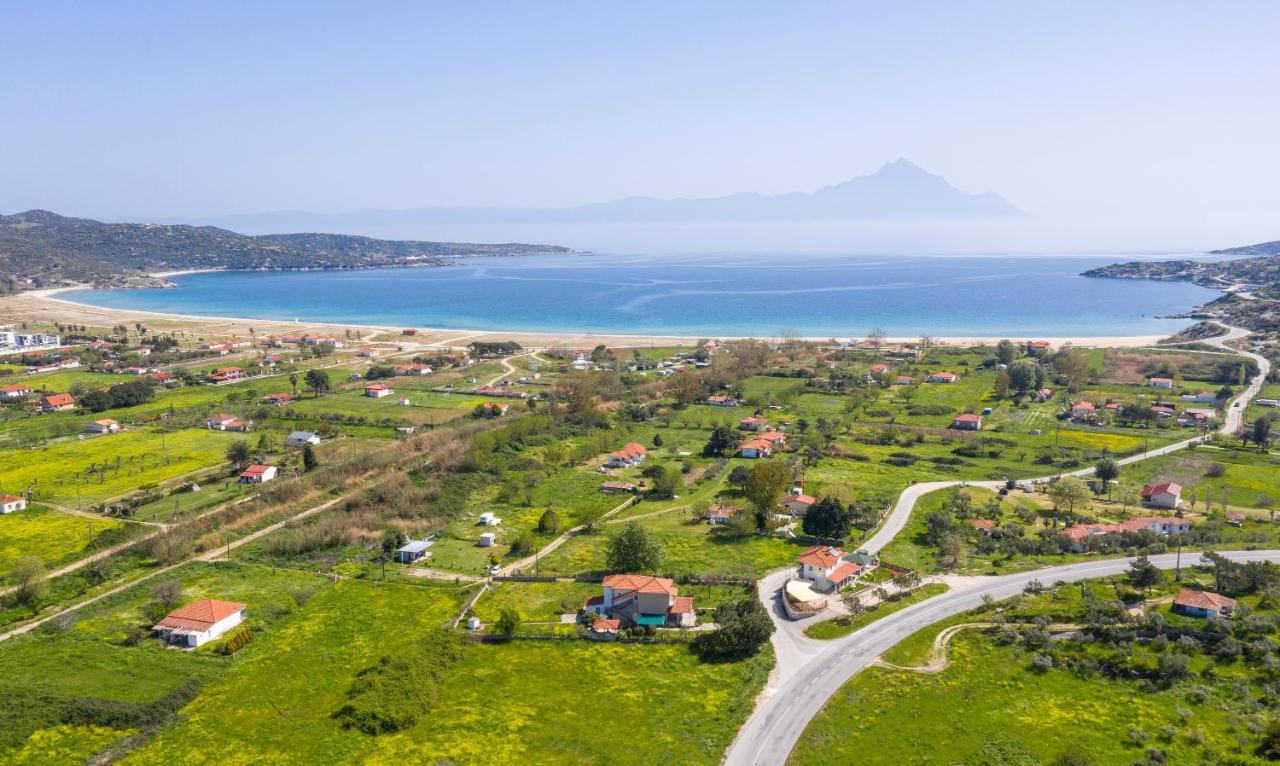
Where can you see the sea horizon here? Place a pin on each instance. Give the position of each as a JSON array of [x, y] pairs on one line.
[[751, 294]]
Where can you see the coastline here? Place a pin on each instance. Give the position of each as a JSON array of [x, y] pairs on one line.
[[45, 305]]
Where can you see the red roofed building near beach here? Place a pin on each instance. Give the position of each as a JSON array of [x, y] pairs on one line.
[[199, 622]]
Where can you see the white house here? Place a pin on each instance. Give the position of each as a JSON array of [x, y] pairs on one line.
[[825, 567], [798, 505], [16, 391], [11, 503], [104, 426], [632, 454], [199, 622], [1167, 495], [755, 448], [258, 474], [941, 377], [487, 519], [378, 390], [301, 439], [219, 422], [1161, 382], [1204, 397], [413, 550], [487, 540]]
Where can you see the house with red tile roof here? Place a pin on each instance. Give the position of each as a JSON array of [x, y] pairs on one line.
[[941, 377], [219, 422], [1083, 412], [720, 514], [57, 402], [11, 503], [722, 400], [1160, 525], [878, 369], [904, 380], [104, 426], [227, 374], [258, 474], [199, 622], [776, 438], [755, 448], [825, 566], [984, 526], [798, 504], [604, 629], [1203, 603], [636, 599], [278, 400], [753, 423], [967, 421], [378, 390], [629, 455], [15, 391], [1165, 495], [1037, 347]]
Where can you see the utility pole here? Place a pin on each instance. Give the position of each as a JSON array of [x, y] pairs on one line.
[[1177, 568]]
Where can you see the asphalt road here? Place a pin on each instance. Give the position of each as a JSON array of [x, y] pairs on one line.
[[812, 675], [807, 672]]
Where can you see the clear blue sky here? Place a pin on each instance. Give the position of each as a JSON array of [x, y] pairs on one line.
[[1102, 114]]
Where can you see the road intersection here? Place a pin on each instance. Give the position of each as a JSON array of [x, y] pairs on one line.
[[809, 672]]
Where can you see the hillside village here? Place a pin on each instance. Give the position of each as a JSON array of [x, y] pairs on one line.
[[186, 502]]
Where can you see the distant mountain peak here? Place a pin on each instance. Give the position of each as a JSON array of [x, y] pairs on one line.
[[898, 191]]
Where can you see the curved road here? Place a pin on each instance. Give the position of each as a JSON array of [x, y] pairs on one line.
[[809, 672], [780, 719]]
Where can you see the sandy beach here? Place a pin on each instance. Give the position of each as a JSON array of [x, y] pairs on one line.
[[48, 306]]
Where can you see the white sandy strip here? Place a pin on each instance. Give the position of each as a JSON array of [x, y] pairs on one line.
[[542, 338]]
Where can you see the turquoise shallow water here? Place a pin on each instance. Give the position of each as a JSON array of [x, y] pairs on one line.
[[699, 295]]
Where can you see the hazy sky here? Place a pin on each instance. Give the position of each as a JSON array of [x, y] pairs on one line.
[[1131, 118]]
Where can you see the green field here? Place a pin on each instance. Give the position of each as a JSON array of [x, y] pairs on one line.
[[990, 706], [48, 534], [1249, 478], [145, 457]]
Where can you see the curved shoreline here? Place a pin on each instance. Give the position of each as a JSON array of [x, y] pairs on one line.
[[537, 337]]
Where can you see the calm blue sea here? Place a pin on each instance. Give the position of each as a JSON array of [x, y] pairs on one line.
[[699, 295]]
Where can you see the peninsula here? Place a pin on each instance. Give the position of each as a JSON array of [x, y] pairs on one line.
[[40, 249]]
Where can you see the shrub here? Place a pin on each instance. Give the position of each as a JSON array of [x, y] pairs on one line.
[[236, 641], [393, 693]]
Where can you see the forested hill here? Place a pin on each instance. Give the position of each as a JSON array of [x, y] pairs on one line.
[[42, 249]]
